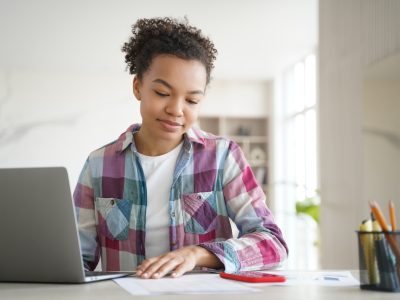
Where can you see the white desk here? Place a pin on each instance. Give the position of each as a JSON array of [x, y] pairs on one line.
[[110, 290]]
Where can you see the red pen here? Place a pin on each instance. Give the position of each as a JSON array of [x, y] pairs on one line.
[[253, 276]]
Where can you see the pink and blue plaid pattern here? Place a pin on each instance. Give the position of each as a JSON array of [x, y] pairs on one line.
[[212, 185]]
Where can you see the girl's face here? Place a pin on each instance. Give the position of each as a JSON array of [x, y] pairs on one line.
[[170, 93]]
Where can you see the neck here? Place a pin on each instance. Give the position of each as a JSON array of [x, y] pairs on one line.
[[150, 146]]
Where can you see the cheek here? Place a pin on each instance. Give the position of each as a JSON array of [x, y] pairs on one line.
[[148, 107], [192, 114]]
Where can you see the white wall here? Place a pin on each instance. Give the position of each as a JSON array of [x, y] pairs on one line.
[[382, 141], [57, 118], [244, 98], [352, 36], [254, 39]]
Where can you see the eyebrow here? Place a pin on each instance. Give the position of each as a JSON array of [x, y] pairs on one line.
[[163, 82]]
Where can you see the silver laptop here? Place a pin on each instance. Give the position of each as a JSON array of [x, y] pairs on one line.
[[38, 233]]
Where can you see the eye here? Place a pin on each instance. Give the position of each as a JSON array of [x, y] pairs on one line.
[[191, 101], [161, 94]]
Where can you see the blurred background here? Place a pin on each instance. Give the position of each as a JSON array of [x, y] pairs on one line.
[[309, 89]]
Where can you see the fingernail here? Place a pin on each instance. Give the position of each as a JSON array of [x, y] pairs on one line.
[[138, 272], [174, 274], [156, 274], [145, 275]]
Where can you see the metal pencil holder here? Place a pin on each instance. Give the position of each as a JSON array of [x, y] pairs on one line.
[[379, 260]]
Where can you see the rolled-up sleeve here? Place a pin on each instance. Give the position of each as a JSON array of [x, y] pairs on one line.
[[260, 244]]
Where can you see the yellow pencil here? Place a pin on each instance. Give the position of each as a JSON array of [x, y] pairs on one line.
[[367, 243]]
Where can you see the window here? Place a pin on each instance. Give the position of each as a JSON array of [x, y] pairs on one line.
[[297, 181]]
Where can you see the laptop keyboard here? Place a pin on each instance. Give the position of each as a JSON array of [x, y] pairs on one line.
[[100, 273], [96, 273]]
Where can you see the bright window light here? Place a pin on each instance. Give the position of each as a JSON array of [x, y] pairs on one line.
[[298, 180]]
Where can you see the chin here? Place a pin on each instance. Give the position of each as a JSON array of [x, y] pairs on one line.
[[170, 136]]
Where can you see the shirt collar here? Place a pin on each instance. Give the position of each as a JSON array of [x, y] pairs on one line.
[[126, 138]]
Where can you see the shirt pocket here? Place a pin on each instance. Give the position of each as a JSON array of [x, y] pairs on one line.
[[114, 217], [199, 212]]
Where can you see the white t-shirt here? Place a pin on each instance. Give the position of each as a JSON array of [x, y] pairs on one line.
[[158, 171]]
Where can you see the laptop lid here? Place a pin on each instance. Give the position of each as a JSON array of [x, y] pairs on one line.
[[39, 236]]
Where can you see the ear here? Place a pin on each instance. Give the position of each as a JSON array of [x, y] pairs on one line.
[[136, 87]]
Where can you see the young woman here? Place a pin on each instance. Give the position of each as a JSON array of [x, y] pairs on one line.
[[160, 198]]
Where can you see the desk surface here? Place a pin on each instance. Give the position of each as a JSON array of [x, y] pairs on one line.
[[110, 290]]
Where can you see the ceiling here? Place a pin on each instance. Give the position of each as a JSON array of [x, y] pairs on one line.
[[256, 39]]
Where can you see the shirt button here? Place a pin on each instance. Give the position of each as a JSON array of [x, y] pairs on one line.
[[112, 202], [173, 214], [199, 197]]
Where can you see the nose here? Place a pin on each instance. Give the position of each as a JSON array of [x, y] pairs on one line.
[[175, 107]]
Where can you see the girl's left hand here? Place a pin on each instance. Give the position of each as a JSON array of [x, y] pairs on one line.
[[177, 262]]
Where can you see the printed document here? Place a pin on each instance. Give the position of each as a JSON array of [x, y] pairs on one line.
[[187, 284], [320, 278]]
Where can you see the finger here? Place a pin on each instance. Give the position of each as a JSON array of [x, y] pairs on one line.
[[164, 265], [154, 266], [167, 267], [145, 265], [182, 269]]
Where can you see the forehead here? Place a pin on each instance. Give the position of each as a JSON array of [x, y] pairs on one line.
[[177, 71]]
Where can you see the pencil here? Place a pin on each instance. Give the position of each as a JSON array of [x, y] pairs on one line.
[[368, 248], [378, 215], [392, 213], [390, 238]]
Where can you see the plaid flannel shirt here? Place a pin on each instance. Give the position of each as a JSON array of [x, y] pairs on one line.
[[212, 185]]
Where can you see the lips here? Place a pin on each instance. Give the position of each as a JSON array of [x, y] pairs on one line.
[[170, 126], [171, 123]]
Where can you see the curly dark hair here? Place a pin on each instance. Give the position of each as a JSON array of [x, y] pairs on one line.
[[152, 37]]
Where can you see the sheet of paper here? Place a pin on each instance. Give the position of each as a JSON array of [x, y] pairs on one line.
[[187, 284], [321, 278]]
